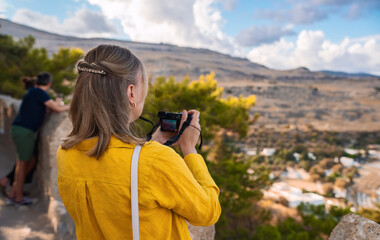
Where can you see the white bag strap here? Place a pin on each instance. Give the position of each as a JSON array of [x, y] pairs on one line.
[[134, 193]]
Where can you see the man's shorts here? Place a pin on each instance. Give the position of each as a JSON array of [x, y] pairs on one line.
[[24, 139]]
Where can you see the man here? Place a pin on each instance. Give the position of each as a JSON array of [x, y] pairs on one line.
[[27, 122]]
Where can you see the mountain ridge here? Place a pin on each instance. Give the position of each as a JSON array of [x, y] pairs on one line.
[[6, 21]]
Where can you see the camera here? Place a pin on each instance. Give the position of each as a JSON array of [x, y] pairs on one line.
[[170, 121]]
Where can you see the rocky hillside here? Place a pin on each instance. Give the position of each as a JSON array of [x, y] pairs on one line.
[[299, 97]]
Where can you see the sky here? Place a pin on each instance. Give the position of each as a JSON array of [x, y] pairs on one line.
[[337, 35]]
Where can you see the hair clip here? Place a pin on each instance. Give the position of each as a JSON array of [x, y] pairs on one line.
[[90, 70]]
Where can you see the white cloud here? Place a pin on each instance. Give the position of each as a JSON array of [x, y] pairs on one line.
[[195, 23], [299, 14], [314, 51], [84, 23], [3, 8], [256, 35], [274, 55]]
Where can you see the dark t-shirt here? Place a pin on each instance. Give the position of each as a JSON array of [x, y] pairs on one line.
[[32, 111]]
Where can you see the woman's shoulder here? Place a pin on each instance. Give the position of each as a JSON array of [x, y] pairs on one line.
[[160, 153], [162, 159], [151, 150], [157, 149]]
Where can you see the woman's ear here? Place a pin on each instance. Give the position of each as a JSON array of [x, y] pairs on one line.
[[132, 98], [131, 92]]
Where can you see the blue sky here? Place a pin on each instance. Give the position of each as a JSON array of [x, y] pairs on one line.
[[341, 35]]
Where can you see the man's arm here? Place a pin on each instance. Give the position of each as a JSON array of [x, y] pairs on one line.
[[55, 106]]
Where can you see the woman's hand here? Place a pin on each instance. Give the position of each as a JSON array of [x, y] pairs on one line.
[[162, 136], [189, 137]]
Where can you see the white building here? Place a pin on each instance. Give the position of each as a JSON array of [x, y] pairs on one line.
[[374, 154], [297, 156], [351, 151], [339, 193], [311, 156], [251, 151], [268, 151], [348, 162], [293, 195], [295, 173]]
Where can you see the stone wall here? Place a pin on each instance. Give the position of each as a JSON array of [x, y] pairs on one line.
[[56, 127], [8, 110]]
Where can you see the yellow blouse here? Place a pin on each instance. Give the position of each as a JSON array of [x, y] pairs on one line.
[[96, 193]]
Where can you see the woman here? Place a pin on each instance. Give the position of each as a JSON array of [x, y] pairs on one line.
[[94, 161]]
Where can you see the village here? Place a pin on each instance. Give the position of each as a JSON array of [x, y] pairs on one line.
[[294, 185]]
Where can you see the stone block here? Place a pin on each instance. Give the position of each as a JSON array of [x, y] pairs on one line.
[[201, 233], [55, 128], [355, 227]]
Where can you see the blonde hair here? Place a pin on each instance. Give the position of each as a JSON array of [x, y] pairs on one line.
[[100, 105]]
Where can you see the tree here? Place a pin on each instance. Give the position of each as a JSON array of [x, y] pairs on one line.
[[20, 58], [326, 163], [337, 168], [319, 222], [204, 95], [265, 232], [240, 191], [292, 230], [300, 149], [62, 66], [328, 189], [317, 172], [341, 183], [351, 173], [370, 213], [284, 155], [11, 59], [316, 224]]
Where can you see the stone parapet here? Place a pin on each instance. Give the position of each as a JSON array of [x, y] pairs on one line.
[[55, 127]]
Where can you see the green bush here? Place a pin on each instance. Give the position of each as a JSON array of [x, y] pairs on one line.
[[265, 232], [370, 213]]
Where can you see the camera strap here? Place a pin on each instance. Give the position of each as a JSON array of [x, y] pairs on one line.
[[154, 127], [175, 138]]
